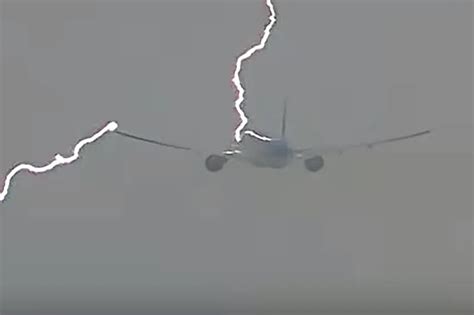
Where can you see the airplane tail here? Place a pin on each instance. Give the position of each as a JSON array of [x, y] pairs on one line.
[[283, 121]]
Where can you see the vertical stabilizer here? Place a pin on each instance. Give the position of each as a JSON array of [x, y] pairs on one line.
[[283, 121]]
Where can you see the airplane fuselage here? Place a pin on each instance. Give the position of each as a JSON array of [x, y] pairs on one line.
[[275, 153]]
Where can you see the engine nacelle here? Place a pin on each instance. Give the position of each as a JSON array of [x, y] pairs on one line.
[[314, 164], [215, 162]]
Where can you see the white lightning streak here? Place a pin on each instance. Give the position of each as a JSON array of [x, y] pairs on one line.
[[238, 84], [112, 126], [58, 159]]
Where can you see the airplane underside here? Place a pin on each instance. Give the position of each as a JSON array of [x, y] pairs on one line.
[[215, 163]]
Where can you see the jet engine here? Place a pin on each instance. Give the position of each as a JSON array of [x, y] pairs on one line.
[[314, 164], [215, 162]]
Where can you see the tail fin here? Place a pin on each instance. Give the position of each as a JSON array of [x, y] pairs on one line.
[[283, 121]]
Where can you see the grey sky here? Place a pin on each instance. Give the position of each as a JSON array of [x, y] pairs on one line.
[[130, 225]]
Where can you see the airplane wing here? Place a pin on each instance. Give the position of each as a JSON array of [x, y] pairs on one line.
[[324, 150], [170, 145]]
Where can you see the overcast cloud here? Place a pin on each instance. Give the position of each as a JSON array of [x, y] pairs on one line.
[[134, 227]]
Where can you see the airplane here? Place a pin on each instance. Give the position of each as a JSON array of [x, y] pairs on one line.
[[275, 153]]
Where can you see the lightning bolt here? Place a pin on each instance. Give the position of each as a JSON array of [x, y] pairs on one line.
[[58, 159], [238, 85], [112, 126]]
